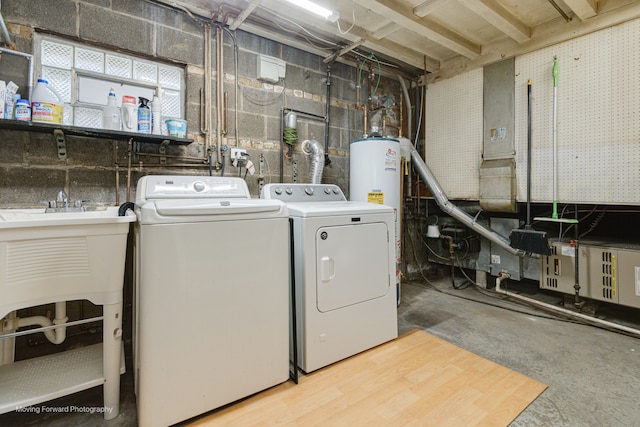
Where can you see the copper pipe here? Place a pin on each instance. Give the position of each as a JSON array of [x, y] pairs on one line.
[[174, 156], [169, 165], [225, 114]]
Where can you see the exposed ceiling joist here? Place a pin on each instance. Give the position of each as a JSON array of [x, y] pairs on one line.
[[584, 9], [499, 17], [244, 15], [402, 14], [427, 7], [386, 30]]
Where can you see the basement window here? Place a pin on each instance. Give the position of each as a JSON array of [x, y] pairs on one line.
[[83, 75]]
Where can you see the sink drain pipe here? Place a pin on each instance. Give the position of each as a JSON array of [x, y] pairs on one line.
[[563, 311], [56, 335]]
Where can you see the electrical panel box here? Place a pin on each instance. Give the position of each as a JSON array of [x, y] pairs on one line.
[[271, 69]]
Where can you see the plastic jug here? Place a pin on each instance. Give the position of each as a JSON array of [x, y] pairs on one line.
[[111, 113], [144, 116], [129, 114], [46, 104]]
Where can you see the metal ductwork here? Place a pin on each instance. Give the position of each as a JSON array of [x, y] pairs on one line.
[[314, 149], [450, 208]]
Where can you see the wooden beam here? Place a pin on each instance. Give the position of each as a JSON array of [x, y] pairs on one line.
[[427, 7], [496, 15], [244, 14], [584, 9], [386, 30], [545, 35], [343, 51], [402, 14]]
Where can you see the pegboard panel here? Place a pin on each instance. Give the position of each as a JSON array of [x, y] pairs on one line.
[[454, 134], [597, 119], [625, 114]]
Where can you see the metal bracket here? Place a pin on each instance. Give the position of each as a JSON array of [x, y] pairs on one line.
[[163, 150], [61, 143], [261, 173], [294, 175]]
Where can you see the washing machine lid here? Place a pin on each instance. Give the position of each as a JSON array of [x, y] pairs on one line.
[[347, 208], [203, 210]]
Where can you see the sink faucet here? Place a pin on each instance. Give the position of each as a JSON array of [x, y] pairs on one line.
[[62, 201]]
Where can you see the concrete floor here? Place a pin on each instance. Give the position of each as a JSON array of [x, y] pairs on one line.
[[593, 375]]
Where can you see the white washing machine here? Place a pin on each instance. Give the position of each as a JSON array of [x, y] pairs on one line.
[[344, 272], [212, 295]]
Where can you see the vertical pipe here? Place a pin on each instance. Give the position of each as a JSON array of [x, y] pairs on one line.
[[219, 90], [327, 161]]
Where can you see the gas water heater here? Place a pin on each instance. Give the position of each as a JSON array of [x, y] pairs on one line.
[[374, 176]]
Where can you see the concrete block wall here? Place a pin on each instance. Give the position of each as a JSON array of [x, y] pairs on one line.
[[30, 170]]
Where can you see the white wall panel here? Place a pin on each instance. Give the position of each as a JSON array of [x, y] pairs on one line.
[[598, 127], [454, 134]]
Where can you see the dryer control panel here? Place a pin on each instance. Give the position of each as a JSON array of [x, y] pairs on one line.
[[289, 193]]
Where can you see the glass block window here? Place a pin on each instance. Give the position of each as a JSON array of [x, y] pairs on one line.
[[83, 77]]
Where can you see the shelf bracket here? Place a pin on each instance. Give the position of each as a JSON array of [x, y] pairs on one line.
[[61, 143], [163, 150]]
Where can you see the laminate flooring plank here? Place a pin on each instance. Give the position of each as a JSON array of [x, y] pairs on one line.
[[414, 380]]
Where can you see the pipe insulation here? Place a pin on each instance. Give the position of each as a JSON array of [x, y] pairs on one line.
[[448, 207], [563, 311], [314, 149]]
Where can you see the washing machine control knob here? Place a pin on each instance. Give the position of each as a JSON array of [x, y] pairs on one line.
[[336, 191], [288, 190], [308, 190], [198, 186], [327, 190], [278, 190]]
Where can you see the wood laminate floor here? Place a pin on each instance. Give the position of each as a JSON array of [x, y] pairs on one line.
[[417, 379]]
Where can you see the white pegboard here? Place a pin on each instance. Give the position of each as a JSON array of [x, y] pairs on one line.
[[454, 134], [597, 121]]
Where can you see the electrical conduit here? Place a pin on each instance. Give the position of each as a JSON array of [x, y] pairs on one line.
[[449, 207], [560, 310]]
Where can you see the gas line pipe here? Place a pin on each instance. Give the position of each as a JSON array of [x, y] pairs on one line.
[[593, 320]]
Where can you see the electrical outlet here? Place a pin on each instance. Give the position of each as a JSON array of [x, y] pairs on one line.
[[238, 153]]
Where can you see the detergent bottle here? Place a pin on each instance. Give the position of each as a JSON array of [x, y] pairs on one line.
[[46, 104]]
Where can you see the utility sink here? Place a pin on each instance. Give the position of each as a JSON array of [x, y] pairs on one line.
[[66, 255], [61, 256]]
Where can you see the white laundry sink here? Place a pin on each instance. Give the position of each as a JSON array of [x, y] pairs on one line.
[[61, 256]]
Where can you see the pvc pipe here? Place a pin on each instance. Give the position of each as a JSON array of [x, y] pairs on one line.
[[5, 32], [314, 149], [560, 310], [452, 209], [55, 336], [408, 102]]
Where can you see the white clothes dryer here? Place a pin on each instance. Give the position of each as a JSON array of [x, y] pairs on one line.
[[344, 272]]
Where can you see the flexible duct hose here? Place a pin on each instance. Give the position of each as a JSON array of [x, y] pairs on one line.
[[449, 207], [314, 149]]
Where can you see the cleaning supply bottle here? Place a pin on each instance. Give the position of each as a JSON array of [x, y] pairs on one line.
[[156, 115], [22, 110], [144, 116], [111, 113], [46, 104]]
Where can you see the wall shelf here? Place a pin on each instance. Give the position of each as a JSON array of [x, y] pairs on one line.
[[90, 132]]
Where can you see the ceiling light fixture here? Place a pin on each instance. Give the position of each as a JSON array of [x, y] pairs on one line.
[[327, 14]]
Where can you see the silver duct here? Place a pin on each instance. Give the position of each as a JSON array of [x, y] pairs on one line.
[[314, 148], [450, 208]]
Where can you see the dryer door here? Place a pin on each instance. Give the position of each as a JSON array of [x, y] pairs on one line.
[[353, 263]]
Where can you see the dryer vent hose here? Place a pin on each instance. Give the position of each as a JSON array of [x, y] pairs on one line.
[[314, 148]]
